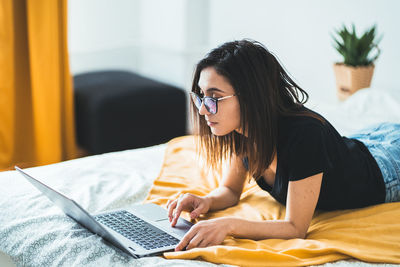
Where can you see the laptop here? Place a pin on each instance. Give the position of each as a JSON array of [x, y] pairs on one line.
[[142, 230]]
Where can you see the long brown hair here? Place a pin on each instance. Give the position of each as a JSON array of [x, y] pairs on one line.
[[265, 92]]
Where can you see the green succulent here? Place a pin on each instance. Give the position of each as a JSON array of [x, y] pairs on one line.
[[356, 51]]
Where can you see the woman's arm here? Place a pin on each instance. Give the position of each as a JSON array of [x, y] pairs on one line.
[[300, 206], [226, 195]]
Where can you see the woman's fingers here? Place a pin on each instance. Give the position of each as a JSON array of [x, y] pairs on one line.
[[178, 210], [195, 238], [205, 233], [200, 209], [186, 239], [186, 202], [204, 243], [171, 206], [195, 242]]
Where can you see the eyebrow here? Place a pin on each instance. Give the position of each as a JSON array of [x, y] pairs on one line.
[[212, 89]]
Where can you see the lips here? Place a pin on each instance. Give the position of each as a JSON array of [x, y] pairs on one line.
[[210, 123]]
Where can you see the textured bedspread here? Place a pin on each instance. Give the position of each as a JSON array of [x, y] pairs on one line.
[[34, 232]]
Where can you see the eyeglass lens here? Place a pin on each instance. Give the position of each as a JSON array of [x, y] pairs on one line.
[[209, 103]]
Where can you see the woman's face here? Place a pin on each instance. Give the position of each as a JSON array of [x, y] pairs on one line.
[[227, 118]]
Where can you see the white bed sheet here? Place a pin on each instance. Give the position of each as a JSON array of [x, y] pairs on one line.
[[34, 232], [364, 108]]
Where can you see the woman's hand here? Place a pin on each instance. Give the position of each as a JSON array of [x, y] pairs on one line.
[[194, 204], [205, 233]]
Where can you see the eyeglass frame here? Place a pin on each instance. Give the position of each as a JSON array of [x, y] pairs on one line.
[[209, 97]]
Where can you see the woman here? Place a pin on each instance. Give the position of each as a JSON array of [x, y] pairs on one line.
[[251, 113]]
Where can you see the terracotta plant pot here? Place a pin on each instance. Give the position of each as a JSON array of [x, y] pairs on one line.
[[349, 79]]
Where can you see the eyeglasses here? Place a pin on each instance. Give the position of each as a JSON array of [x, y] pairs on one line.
[[210, 103]]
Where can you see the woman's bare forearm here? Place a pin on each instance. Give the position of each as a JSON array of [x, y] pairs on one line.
[[222, 197], [259, 230]]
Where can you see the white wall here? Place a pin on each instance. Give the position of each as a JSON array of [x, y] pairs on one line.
[[163, 39], [156, 38], [298, 32], [102, 34]]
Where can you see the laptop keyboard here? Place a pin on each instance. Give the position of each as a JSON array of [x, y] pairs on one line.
[[136, 229]]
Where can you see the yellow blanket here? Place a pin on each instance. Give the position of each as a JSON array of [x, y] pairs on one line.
[[370, 234]]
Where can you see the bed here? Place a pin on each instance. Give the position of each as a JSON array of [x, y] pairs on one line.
[[33, 232]]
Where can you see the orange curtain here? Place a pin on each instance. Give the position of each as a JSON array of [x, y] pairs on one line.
[[36, 95]]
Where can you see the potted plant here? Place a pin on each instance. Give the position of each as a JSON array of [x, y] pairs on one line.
[[357, 68]]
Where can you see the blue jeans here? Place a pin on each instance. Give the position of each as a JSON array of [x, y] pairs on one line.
[[383, 141]]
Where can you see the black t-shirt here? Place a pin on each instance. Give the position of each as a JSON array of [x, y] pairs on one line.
[[307, 146]]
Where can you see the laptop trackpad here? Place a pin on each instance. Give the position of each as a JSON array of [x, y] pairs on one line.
[[150, 211], [181, 227]]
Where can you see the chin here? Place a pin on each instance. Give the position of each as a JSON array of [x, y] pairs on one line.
[[219, 132]]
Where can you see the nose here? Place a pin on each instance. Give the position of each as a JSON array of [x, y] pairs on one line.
[[203, 110]]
